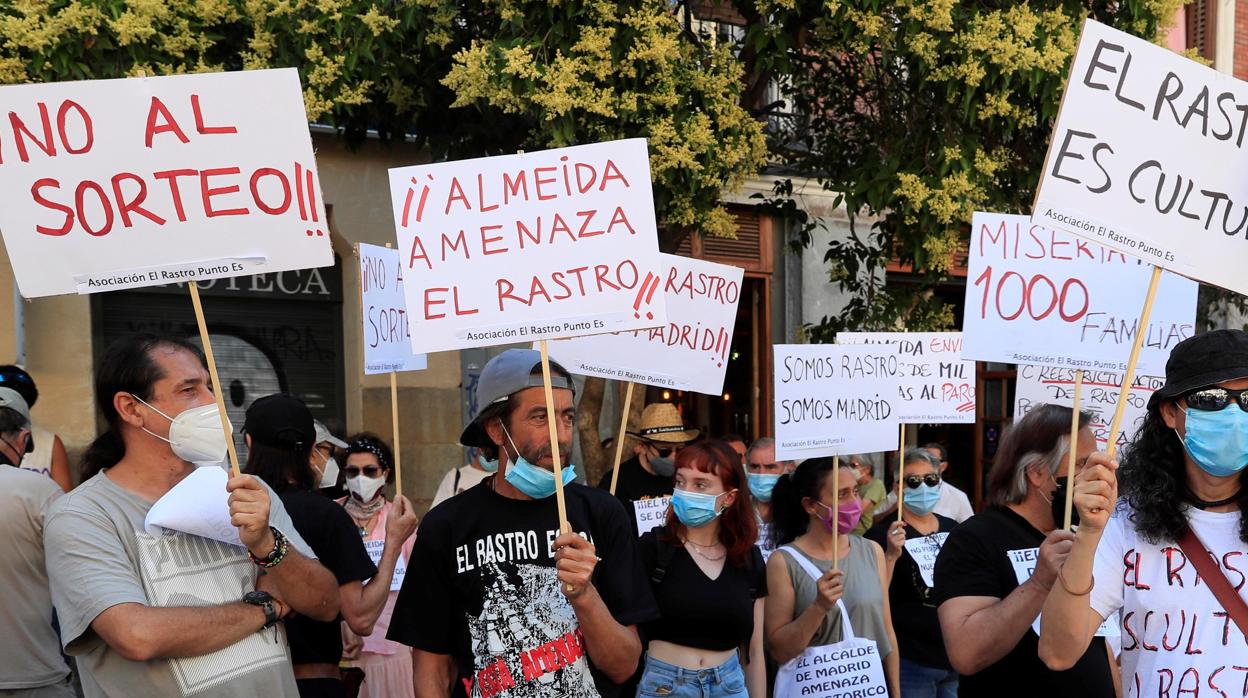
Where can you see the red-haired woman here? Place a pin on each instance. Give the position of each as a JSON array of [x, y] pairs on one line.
[[709, 580]]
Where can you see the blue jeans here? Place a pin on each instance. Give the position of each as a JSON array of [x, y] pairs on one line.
[[669, 680], [918, 681]]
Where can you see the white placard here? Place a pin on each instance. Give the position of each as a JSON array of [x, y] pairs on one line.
[[690, 352], [1024, 561], [937, 386], [651, 512], [198, 505], [1037, 385], [835, 399], [1035, 295], [113, 184], [518, 248], [375, 548], [387, 330], [1147, 157], [924, 550]]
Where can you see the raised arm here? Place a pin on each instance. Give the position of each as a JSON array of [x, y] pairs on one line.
[[362, 603], [614, 648], [787, 636]]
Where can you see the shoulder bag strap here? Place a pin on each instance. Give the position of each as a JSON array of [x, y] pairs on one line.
[[455, 487], [847, 628], [1209, 570]]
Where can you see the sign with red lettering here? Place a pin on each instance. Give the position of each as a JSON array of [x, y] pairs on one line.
[[1035, 295], [518, 248], [1147, 158], [690, 352], [387, 334], [937, 386], [1038, 385], [113, 184]]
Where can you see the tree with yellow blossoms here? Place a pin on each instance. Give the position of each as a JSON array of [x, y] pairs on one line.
[[917, 113]]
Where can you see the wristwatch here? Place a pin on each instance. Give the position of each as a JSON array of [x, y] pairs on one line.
[[264, 601]]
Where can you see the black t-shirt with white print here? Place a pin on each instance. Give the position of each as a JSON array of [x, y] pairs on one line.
[[481, 586]]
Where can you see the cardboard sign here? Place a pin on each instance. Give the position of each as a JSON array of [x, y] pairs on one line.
[[835, 399], [518, 248], [651, 512], [1024, 562], [375, 548], [114, 184], [849, 669], [387, 330], [1146, 157], [923, 550], [937, 386], [1036, 295], [1037, 385], [689, 352]]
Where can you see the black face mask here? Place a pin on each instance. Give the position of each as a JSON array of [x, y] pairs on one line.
[[1059, 505], [4, 457]]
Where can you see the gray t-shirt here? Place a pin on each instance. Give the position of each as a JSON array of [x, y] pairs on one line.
[[99, 556], [30, 654]]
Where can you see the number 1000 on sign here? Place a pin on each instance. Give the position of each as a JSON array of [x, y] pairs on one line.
[[1012, 294]]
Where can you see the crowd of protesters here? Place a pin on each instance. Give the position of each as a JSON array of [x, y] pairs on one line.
[[757, 563]]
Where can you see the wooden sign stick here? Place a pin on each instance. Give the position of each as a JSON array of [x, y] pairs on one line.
[[1129, 376], [901, 469], [394, 420], [217, 389], [620, 435], [553, 424], [1074, 448], [836, 509]]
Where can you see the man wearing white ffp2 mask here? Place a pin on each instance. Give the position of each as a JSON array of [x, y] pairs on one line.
[[323, 454]]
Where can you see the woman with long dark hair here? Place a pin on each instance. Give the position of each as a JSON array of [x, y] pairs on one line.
[[709, 581], [280, 436], [1172, 548], [801, 612]]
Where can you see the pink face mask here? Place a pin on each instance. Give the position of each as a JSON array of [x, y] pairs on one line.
[[847, 516]]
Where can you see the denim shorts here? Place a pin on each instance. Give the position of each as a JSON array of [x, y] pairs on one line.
[[668, 680]]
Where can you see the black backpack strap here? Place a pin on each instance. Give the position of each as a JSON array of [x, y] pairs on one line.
[[455, 487], [663, 553]]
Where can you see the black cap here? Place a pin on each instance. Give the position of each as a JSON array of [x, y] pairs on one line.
[[280, 420], [1202, 361]]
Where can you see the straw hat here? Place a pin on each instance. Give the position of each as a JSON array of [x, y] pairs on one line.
[[661, 422]]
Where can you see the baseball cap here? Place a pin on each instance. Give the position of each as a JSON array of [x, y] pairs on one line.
[[280, 420], [13, 400], [1203, 360], [504, 376], [324, 435]]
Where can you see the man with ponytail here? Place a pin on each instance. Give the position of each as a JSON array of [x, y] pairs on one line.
[[170, 613]]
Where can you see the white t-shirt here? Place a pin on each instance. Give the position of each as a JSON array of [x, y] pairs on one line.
[[1176, 639], [953, 503], [469, 476]]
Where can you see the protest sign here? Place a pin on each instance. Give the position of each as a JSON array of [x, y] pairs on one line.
[[115, 184], [387, 330], [651, 512], [1038, 385], [689, 352], [924, 550], [937, 386], [1037, 295], [1024, 562], [518, 248], [375, 548], [1145, 158], [198, 505], [835, 399]]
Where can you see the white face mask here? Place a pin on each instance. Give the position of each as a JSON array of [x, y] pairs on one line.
[[329, 476], [365, 487], [195, 434]]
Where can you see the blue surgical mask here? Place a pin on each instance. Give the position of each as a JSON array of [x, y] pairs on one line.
[[761, 485], [489, 466], [538, 483], [1218, 441], [695, 509], [922, 499]]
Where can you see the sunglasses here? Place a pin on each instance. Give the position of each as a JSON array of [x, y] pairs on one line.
[[663, 452], [368, 470], [1215, 399], [930, 479]]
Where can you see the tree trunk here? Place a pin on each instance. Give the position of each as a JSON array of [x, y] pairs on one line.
[[588, 414]]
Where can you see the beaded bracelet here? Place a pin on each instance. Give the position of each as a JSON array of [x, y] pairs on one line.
[[280, 548]]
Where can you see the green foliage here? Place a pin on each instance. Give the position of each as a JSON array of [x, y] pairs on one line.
[[919, 112], [463, 77]]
